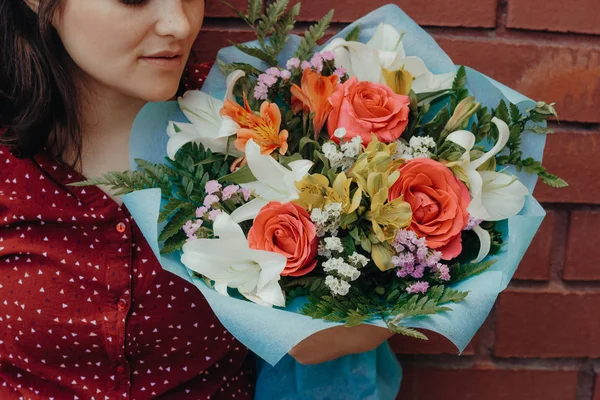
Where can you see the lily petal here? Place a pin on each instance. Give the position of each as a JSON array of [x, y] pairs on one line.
[[387, 38], [503, 195], [476, 208], [230, 81], [485, 243], [249, 210], [464, 139], [264, 167], [202, 110], [503, 135]]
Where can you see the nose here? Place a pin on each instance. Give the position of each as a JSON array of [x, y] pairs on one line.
[[172, 19]]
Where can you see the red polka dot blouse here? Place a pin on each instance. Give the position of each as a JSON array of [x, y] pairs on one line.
[[86, 310]]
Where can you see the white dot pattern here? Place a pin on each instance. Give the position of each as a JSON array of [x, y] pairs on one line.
[[86, 310]]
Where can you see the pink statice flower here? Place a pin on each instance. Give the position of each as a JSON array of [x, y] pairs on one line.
[[229, 191], [418, 287], [261, 92], [273, 71], [200, 211], [473, 222], [317, 62], [305, 65], [212, 187], [267, 80], [210, 200], [246, 193], [213, 214], [414, 258], [328, 56], [340, 72], [190, 228], [285, 75], [293, 63]]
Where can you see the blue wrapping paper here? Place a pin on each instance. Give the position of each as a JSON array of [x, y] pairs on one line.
[[271, 333]]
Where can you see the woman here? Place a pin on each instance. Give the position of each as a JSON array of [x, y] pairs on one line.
[[86, 311]]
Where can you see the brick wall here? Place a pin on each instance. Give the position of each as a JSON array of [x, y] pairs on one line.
[[542, 341]]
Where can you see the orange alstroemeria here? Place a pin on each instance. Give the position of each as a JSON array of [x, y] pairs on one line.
[[263, 129], [314, 96]]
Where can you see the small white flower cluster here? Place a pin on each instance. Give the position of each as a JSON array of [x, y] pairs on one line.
[[339, 266], [418, 147], [329, 245], [327, 220], [337, 286], [344, 155], [342, 272]]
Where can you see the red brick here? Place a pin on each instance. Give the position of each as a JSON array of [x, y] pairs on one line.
[[583, 258], [535, 265], [597, 388], [481, 13], [437, 344], [420, 383], [547, 325], [215, 8], [570, 155], [568, 74], [555, 15], [212, 39]]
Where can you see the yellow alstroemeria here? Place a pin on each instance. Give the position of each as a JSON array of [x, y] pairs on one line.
[[400, 81], [377, 158], [312, 191], [386, 216], [382, 254], [340, 193]]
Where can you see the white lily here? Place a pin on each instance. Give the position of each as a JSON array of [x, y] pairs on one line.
[[274, 182], [207, 126], [386, 51], [494, 195], [230, 262]]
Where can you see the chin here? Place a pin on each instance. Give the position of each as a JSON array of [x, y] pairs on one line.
[[160, 93]]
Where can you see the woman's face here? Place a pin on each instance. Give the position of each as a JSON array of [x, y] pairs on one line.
[[138, 48]]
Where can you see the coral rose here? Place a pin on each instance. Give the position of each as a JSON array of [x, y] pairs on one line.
[[438, 201], [286, 229], [366, 108]]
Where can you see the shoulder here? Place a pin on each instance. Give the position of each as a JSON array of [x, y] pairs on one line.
[[20, 180]]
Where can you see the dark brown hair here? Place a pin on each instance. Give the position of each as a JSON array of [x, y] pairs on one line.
[[38, 100]]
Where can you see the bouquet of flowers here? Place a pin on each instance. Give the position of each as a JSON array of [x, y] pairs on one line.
[[365, 181]]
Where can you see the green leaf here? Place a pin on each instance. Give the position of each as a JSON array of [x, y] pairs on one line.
[[349, 246], [464, 271], [552, 180], [312, 36], [502, 112], [460, 80], [256, 52], [182, 215], [405, 331], [452, 296], [274, 11], [541, 130], [249, 69], [282, 29], [172, 205], [254, 10], [242, 175], [306, 140], [174, 243], [427, 95], [353, 35], [515, 114]]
